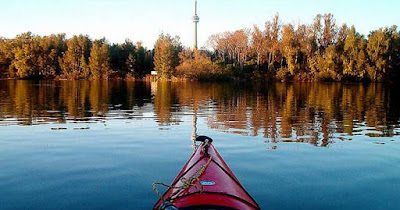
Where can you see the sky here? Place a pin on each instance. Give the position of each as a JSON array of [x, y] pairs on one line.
[[144, 20]]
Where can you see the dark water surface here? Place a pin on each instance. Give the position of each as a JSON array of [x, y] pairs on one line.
[[100, 145]]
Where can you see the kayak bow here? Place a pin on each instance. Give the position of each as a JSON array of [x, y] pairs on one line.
[[205, 182]]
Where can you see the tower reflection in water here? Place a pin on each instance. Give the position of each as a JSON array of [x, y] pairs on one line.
[[306, 112]]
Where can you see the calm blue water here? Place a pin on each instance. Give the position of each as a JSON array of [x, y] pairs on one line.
[[100, 145]]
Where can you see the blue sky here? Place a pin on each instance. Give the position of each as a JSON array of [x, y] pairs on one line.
[[145, 19]]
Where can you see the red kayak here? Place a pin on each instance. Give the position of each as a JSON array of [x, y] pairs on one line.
[[205, 182]]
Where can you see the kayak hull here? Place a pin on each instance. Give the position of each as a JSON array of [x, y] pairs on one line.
[[215, 188]]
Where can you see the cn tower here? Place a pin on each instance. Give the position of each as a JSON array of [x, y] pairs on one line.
[[196, 19]]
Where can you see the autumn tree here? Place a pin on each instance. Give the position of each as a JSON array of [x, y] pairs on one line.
[[314, 50], [6, 56], [321, 50], [302, 39], [378, 53], [273, 32], [26, 56], [219, 44], [354, 56], [166, 56], [258, 44], [51, 48], [196, 65], [326, 63], [74, 62], [290, 48], [213, 42], [329, 31], [99, 61], [241, 40]]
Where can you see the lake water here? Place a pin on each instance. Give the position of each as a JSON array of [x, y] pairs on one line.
[[100, 145]]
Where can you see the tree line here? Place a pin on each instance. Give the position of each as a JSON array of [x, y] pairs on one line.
[[322, 50], [29, 56], [318, 51]]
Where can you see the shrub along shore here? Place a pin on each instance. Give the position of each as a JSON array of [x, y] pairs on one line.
[[320, 51]]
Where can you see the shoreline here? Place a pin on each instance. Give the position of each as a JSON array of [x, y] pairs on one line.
[[226, 80]]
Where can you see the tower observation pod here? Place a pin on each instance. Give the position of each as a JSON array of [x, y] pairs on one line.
[[196, 20]]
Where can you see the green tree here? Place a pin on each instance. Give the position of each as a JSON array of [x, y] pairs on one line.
[[140, 60], [394, 54], [119, 54], [131, 65]]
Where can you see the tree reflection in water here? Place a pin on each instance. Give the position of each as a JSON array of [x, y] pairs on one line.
[[299, 112]]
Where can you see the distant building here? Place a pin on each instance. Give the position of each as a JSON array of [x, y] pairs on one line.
[[196, 20]]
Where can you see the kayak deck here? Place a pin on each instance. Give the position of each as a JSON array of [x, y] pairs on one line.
[[216, 187]]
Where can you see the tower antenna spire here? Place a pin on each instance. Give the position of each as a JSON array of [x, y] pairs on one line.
[[196, 20], [195, 7]]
